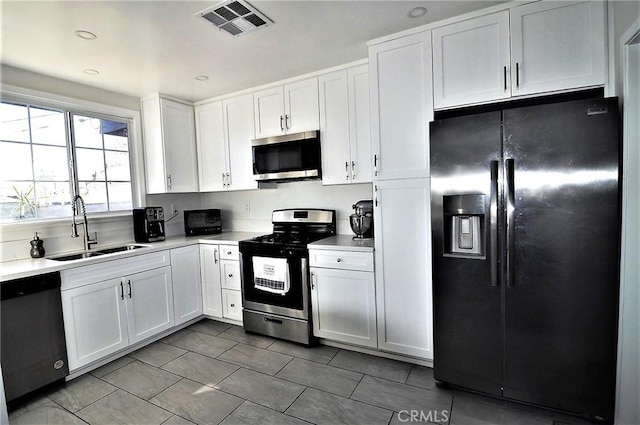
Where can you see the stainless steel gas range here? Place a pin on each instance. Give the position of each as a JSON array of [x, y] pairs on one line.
[[275, 274]]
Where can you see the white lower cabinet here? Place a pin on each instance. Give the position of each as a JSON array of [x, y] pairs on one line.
[[221, 294], [187, 283], [104, 317], [403, 267], [343, 300], [232, 304]]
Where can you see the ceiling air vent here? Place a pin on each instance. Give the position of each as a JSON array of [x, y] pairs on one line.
[[235, 17]]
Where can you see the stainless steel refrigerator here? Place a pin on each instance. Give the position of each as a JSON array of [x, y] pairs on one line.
[[525, 208]]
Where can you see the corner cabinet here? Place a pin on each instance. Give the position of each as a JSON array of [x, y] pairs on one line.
[[187, 283], [111, 305], [224, 132], [529, 49], [401, 106], [345, 126], [403, 266], [343, 296], [291, 108], [169, 145]]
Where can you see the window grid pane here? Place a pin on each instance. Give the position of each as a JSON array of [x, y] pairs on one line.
[[35, 180]]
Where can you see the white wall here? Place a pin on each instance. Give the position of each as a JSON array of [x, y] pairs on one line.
[[300, 194]]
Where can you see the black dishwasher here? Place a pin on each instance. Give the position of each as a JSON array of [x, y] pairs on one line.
[[33, 347]]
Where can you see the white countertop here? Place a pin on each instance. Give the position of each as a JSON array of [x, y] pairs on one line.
[[343, 243], [33, 266]]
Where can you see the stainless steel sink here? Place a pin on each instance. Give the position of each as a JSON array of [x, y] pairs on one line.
[[76, 256], [89, 254], [128, 247]]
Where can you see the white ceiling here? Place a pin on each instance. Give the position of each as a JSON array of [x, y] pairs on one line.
[[145, 47]]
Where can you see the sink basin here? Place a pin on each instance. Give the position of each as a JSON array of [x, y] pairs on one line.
[[89, 254], [129, 247], [76, 256]]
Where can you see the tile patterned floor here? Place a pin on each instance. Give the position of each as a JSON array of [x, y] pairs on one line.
[[214, 373]]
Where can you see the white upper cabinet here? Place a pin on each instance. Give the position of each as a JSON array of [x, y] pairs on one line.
[[212, 149], [401, 106], [170, 145], [471, 61], [224, 133], [345, 126], [238, 115], [534, 48], [291, 108], [557, 46]]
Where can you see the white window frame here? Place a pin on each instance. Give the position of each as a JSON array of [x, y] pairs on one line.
[[16, 94]]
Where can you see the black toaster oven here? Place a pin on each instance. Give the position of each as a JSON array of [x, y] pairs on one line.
[[202, 222]]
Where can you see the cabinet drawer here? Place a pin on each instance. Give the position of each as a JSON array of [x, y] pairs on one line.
[[232, 304], [345, 260], [79, 276], [230, 274], [229, 252]]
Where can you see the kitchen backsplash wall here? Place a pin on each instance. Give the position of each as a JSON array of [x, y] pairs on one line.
[[56, 235], [180, 202], [301, 194]]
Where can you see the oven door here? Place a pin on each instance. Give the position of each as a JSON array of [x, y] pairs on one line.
[[291, 300]]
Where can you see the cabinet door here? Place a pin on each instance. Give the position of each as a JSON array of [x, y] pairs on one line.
[[149, 301], [211, 290], [344, 306], [301, 106], [239, 125], [471, 61], [212, 149], [360, 124], [187, 283], [154, 155], [334, 128], [178, 132], [557, 46], [403, 267], [401, 106], [95, 321], [232, 304], [268, 105]]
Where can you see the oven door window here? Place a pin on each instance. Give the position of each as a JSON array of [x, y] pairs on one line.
[[261, 288], [284, 157]]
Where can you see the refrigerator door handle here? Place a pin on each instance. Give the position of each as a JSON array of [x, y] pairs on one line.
[[510, 198], [493, 223]]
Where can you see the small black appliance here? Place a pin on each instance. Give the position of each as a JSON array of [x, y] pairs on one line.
[[202, 222], [148, 224]]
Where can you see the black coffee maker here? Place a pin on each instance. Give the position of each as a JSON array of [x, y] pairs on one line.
[[148, 224], [362, 220]]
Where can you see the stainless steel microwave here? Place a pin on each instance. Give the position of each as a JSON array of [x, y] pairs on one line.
[[293, 156]]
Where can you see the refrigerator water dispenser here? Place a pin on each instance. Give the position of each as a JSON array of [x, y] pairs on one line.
[[463, 219]]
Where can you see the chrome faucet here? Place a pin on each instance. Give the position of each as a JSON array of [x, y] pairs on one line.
[[88, 241]]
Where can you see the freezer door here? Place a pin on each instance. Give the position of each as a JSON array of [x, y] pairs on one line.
[[561, 163], [466, 289]]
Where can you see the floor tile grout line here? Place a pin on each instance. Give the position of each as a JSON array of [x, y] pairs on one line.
[[356, 387]]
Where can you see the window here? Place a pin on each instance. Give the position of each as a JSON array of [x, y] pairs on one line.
[[48, 155]]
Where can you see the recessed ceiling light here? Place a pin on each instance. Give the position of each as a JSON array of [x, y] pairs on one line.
[[202, 78], [90, 71], [417, 12], [87, 35]]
